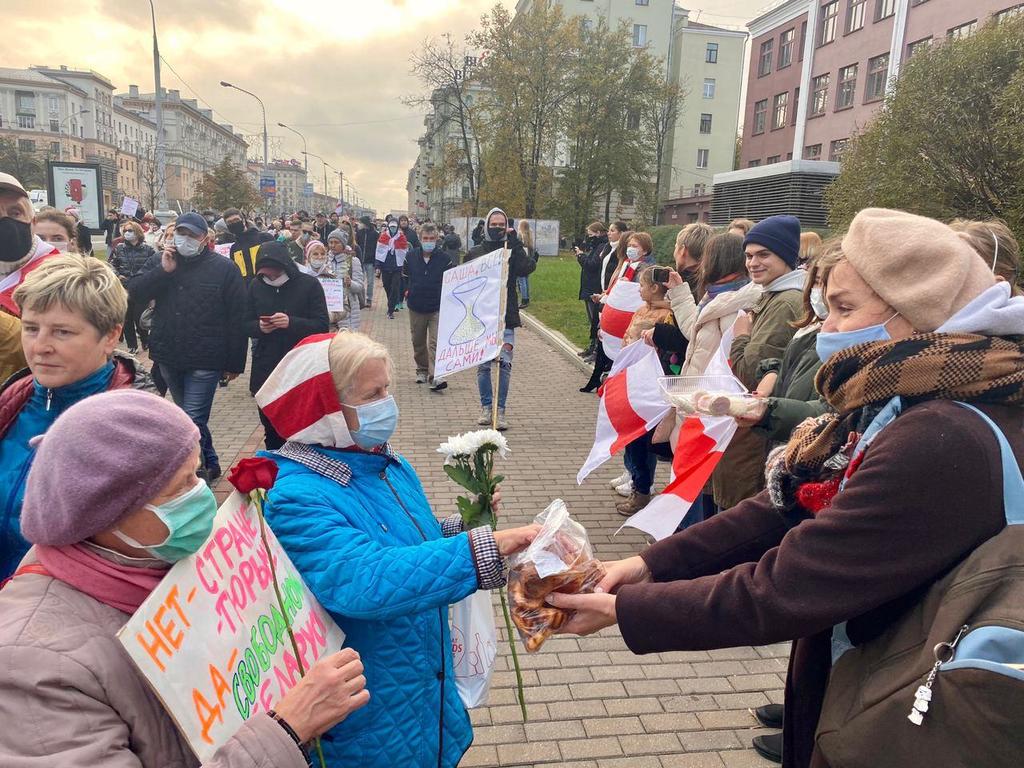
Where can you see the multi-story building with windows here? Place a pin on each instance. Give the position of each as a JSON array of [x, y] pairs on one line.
[[819, 71], [290, 185]]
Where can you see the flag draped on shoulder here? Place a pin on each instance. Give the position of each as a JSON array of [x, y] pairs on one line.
[[702, 442], [387, 243], [300, 398], [623, 300], [631, 405]]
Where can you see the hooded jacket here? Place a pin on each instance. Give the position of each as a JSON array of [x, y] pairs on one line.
[[519, 265], [366, 239], [243, 252], [301, 298]]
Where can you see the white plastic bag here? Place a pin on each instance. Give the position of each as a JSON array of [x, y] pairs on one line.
[[474, 646]]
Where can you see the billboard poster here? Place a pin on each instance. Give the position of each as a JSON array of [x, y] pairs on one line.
[[268, 186], [77, 185]]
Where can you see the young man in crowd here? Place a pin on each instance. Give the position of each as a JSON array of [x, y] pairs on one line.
[[246, 241], [425, 268]]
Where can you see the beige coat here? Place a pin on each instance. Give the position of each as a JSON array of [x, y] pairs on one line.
[[71, 698]]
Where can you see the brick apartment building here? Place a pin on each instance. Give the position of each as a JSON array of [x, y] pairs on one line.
[[819, 70]]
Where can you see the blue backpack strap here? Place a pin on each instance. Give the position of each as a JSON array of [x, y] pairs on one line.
[[1013, 482]]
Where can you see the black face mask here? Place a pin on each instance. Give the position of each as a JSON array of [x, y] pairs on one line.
[[15, 239], [236, 227], [495, 234]]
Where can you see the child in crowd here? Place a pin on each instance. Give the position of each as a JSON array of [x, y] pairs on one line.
[[656, 308]]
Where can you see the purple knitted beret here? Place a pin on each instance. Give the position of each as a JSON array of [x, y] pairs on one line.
[[105, 457]]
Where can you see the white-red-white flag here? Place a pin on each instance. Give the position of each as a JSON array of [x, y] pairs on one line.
[[623, 300], [631, 405], [702, 441]]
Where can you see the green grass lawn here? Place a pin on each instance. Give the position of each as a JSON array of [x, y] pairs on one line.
[[555, 298]]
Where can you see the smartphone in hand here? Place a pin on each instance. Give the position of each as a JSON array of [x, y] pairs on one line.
[[660, 274]]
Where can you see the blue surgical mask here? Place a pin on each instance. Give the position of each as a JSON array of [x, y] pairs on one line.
[[632, 253], [377, 422], [828, 344], [188, 517], [428, 247]]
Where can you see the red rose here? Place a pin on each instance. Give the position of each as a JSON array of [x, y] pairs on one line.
[[250, 474]]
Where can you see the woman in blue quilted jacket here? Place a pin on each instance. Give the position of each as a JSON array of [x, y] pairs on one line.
[[353, 517]]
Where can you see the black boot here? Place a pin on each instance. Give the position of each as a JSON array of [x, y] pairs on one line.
[[769, 747]]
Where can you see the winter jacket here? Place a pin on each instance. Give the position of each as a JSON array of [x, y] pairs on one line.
[[27, 410], [519, 265], [84, 236], [478, 234], [199, 314], [913, 509], [367, 241], [740, 473], [70, 696], [411, 236], [130, 260], [425, 278], [301, 298], [243, 252], [370, 549], [794, 397], [590, 267]]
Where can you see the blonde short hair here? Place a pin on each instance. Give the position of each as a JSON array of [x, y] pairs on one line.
[[84, 285], [348, 352]]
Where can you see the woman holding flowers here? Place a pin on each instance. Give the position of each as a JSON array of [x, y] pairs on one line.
[[354, 518]]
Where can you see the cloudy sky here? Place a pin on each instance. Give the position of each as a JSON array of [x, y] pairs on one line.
[[334, 69]]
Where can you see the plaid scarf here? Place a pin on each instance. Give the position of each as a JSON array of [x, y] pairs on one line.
[[859, 381]]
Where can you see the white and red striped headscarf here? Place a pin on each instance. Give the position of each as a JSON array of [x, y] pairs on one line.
[[300, 399]]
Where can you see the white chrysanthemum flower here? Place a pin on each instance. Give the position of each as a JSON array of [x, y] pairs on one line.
[[469, 443]]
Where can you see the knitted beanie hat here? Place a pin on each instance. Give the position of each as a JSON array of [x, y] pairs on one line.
[[339, 234], [780, 235], [919, 266], [311, 245], [105, 457]]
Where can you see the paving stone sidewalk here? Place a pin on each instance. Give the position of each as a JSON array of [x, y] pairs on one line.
[[591, 702]]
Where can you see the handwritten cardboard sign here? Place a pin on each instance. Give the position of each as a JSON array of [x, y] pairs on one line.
[[129, 206], [469, 328], [334, 292], [211, 639]]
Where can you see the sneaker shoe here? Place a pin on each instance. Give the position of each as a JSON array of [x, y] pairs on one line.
[[391, 315], [633, 504], [437, 386], [769, 747], [421, 378], [623, 478], [502, 424], [485, 416], [625, 489], [770, 715]]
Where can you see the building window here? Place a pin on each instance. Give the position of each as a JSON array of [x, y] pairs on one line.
[[26, 145], [918, 46], [26, 121], [812, 152], [803, 42], [796, 105], [760, 116], [53, 104], [54, 147], [1009, 13], [786, 48], [847, 87], [962, 31], [819, 95], [829, 19], [711, 54], [705, 122], [855, 15], [884, 9], [753, 163], [643, 2], [836, 149], [700, 189], [773, 160], [633, 120], [702, 158], [627, 198], [639, 35], [878, 77], [780, 110], [709, 87], [54, 126], [764, 62]]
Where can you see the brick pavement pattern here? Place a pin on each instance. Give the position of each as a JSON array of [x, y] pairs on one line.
[[591, 702]]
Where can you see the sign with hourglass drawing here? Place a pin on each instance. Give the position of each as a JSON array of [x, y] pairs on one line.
[[470, 327]]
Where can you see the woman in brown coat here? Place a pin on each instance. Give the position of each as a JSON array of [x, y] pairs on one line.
[[854, 526]]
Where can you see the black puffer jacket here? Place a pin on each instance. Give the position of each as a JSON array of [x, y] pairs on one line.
[[199, 314], [366, 239], [590, 267], [130, 260], [519, 265], [301, 298]]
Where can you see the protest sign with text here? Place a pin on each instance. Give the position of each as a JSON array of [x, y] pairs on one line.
[[470, 325], [211, 639], [334, 292]]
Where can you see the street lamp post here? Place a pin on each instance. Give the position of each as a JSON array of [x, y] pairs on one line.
[[313, 154], [305, 159], [60, 132], [266, 142], [158, 101]]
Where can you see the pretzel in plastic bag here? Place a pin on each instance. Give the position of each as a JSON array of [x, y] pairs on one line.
[[560, 559]]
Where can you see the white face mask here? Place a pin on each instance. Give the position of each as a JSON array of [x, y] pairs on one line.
[[131, 237], [818, 303], [277, 282], [62, 247], [187, 246], [632, 253]]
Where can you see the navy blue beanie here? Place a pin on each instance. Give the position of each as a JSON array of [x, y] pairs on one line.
[[780, 235]]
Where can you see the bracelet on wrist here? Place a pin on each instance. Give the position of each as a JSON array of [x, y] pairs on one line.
[[293, 735]]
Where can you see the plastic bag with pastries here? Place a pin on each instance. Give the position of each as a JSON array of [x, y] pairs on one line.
[[560, 559]]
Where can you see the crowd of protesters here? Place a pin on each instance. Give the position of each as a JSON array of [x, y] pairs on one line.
[[884, 453]]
